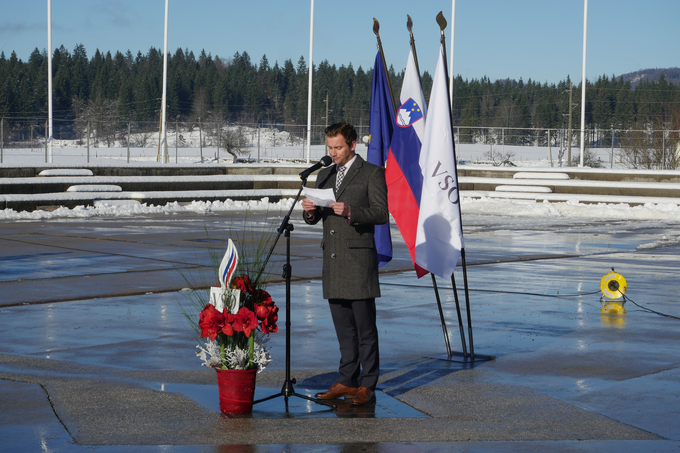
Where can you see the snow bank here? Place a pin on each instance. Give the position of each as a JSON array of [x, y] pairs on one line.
[[94, 188], [573, 209], [66, 172], [117, 209], [663, 242], [469, 206]]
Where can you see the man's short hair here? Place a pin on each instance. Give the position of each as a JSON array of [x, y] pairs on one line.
[[345, 129]]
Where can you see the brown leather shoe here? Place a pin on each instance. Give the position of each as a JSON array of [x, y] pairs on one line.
[[364, 397], [337, 391]]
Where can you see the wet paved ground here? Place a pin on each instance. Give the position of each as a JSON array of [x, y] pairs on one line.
[[95, 351]]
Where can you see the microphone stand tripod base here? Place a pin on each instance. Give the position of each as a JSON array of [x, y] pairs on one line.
[[462, 357]]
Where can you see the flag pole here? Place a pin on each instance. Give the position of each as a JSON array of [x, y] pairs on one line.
[[376, 30], [309, 82], [48, 132], [409, 27], [442, 26], [453, 33], [447, 341], [583, 82], [162, 142], [381, 125]]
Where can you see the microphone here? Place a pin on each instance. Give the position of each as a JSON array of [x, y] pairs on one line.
[[324, 162]]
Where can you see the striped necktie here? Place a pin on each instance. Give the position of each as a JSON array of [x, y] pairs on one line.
[[339, 177]]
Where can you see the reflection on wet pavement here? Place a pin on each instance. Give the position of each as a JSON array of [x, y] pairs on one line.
[[296, 407]]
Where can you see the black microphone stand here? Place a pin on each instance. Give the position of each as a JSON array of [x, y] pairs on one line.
[[287, 390]]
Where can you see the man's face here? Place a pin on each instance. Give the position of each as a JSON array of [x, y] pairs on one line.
[[339, 150]]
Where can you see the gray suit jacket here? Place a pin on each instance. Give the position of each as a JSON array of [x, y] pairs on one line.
[[350, 259]]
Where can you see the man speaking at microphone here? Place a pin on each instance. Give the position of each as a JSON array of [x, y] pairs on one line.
[[350, 261]]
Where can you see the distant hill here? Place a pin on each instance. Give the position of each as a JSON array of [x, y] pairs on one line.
[[672, 75]]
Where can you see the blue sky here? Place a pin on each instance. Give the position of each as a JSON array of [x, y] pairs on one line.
[[537, 39]]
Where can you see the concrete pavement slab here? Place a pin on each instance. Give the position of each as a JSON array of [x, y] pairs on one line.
[[93, 371]]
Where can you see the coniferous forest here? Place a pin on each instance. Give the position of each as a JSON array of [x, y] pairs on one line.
[[127, 87]]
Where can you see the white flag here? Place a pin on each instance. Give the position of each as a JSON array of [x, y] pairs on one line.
[[439, 239]]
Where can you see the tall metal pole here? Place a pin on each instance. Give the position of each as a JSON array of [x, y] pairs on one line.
[[571, 87], [309, 87], [48, 134], [2, 140], [165, 87], [453, 32], [583, 82]]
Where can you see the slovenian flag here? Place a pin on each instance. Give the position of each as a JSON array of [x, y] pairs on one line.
[[440, 233], [403, 174], [380, 131]]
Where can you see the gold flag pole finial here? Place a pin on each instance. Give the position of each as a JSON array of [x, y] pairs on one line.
[[376, 30], [442, 23]]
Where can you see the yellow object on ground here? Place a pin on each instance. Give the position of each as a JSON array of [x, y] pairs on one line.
[[613, 285]]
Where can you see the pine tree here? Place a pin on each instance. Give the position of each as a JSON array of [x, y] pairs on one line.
[[4, 86], [624, 112], [288, 88], [301, 83]]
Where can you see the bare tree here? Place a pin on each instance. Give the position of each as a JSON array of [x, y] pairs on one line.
[[233, 141], [499, 158], [589, 159], [641, 149], [101, 116], [141, 139]]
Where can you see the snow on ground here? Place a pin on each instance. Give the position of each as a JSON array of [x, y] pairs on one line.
[[469, 206], [279, 148], [573, 209], [67, 153], [263, 144]]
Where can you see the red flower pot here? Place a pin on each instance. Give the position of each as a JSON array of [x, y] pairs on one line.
[[237, 390]]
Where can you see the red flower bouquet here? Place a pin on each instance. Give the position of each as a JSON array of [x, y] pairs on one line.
[[235, 336]]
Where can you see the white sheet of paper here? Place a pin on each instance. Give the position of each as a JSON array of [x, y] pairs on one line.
[[218, 296], [320, 197]]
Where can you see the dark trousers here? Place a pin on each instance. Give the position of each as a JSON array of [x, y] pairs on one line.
[[357, 333]]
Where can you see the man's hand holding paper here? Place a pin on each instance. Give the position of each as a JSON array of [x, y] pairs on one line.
[[320, 197]]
